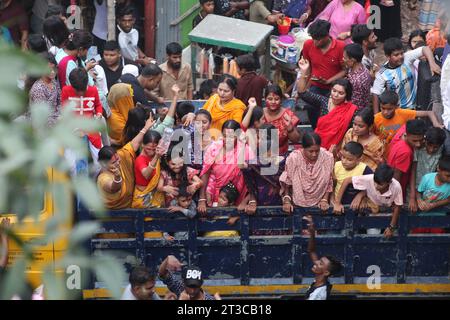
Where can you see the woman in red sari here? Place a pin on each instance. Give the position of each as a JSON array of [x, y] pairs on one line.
[[337, 111]]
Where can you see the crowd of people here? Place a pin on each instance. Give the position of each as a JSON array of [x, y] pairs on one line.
[[374, 143]]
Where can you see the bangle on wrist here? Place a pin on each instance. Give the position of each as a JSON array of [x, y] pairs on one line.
[[324, 200], [392, 228], [289, 197], [117, 181], [252, 201], [143, 131], [201, 200]]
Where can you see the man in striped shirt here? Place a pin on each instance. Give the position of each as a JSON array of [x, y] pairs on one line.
[[398, 73]]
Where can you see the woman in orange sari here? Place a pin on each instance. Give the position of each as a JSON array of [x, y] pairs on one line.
[[224, 106]]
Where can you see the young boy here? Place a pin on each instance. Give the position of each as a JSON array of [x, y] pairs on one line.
[[379, 189], [407, 139], [425, 161], [183, 203], [391, 118], [206, 7], [85, 102], [250, 84], [398, 73], [434, 192], [323, 268], [349, 166]]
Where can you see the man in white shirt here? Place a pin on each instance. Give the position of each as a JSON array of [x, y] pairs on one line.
[[128, 37]]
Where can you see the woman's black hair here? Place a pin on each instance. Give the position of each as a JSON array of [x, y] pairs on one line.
[[230, 81], [347, 87], [231, 192], [231, 124], [151, 136], [354, 51], [79, 39], [175, 152], [106, 153], [275, 89], [31, 80], [205, 113], [36, 43], [56, 31], [136, 121], [206, 88], [416, 33], [257, 114], [310, 139], [367, 116]]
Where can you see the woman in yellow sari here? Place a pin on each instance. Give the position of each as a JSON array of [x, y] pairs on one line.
[[120, 100], [147, 171], [224, 106], [362, 132]]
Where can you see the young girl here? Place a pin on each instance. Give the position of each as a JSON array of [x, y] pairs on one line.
[[47, 90], [202, 139], [176, 172], [282, 118], [362, 132]]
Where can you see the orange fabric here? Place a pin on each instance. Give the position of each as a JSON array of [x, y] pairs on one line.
[[233, 110], [436, 39], [386, 129]]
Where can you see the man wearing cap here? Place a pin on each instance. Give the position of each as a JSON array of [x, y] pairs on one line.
[[190, 288]]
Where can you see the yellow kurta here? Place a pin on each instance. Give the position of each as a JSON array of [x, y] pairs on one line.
[[233, 110], [123, 198]]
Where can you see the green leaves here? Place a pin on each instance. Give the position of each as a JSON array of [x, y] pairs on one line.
[[28, 149]]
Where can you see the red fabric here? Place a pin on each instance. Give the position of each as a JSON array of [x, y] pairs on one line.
[[428, 230], [324, 65], [62, 68], [401, 157], [332, 127], [141, 163], [90, 105]]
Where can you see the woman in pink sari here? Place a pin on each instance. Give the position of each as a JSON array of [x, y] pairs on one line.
[[221, 163]]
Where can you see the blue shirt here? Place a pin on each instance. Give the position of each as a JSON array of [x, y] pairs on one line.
[[432, 192]]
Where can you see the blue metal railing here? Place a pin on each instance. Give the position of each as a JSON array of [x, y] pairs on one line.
[[253, 256]]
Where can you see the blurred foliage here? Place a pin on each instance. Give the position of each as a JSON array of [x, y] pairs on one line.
[[27, 150]]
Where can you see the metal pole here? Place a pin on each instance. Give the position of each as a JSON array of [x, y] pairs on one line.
[[111, 20]]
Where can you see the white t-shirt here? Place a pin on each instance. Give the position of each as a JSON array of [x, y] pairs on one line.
[[128, 295], [128, 43], [319, 293]]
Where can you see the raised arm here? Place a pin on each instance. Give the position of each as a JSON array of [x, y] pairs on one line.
[[137, 141], [312, 239], [432, 116], [248, 116]]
